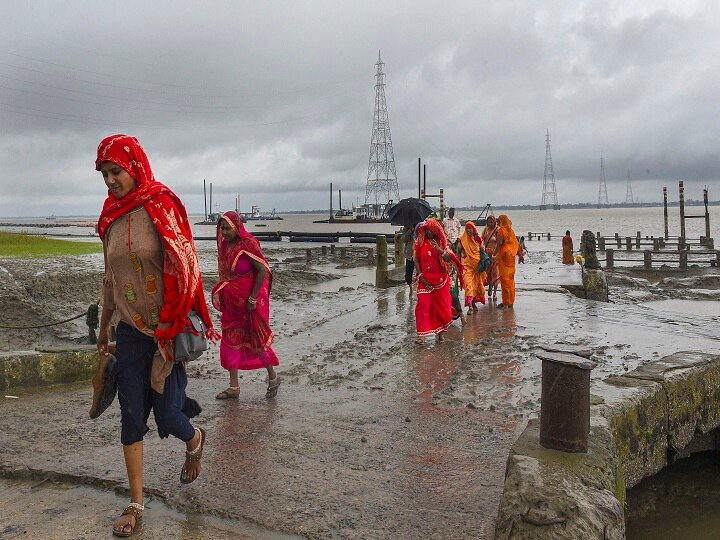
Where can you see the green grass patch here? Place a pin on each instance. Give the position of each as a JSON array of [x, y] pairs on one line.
[[27, 245]]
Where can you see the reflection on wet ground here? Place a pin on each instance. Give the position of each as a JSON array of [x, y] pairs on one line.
[[681, 501]]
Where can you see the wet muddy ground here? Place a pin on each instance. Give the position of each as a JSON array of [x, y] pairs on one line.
[[371, 436]]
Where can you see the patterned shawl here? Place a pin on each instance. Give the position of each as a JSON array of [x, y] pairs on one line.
[[183, 290]]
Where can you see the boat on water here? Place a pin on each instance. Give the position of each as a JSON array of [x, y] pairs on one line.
[[256, 215]]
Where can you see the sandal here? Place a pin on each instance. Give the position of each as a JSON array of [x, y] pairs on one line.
[[273, 385], [232, 392], [193, 456], [135, 510]]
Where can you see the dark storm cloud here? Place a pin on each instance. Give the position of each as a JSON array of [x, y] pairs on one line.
[[273, 100]]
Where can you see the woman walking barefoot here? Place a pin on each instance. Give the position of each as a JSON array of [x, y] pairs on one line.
[[470, 246], [433, 255], [152, 281], [505, 252], [243, 298]]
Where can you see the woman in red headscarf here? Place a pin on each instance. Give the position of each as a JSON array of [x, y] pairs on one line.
[[506, 251], [152, 281], [243, 298], [433, 312], [471, 245]]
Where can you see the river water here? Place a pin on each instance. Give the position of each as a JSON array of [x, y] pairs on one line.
[[607, 221]]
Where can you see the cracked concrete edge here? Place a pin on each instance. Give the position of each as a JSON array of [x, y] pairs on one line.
[[23, 369], [640, 422]]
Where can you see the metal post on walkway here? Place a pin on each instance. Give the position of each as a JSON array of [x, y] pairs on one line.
[[565, 401]]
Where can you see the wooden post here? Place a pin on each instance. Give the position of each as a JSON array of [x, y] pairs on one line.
[[656, 244], [601, 243], [648, 259], [683, 260], [381, 269], [323, 250], [548, 236], [717, 258], [665, 211], [399, 250], [529, 236], [332, 249], [618, 240], [637, 240], [609, 261], [308, 255], [707, 214], [343, 253], [628, 243], [681, 189]]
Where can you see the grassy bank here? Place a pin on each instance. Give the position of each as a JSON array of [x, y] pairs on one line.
[[25, 245]]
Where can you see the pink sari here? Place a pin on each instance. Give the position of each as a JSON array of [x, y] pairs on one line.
[[246, 335]]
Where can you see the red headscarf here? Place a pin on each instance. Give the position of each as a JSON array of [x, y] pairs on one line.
[[183, 290]]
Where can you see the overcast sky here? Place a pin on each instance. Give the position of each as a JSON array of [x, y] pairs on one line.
[[274, 100]]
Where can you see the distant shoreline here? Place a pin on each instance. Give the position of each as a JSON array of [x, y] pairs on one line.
[[569, 206]]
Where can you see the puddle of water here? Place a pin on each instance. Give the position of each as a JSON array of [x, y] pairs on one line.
[[51, 510], [353, 279], [701, 308], [681, 501]]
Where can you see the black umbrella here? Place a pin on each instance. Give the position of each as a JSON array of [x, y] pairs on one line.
[[409, 211]]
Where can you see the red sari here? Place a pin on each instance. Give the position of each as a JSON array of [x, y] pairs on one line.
[[246, 334], [433, 312]]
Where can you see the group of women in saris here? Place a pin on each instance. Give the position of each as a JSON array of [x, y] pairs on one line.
[[436, 265]]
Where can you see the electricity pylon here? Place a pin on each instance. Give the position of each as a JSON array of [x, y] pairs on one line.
[[381, 176], [549, 196], [602, 191], [629, 199]]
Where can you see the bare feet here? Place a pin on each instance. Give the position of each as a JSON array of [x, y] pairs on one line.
[[441, 337], [463, 320]]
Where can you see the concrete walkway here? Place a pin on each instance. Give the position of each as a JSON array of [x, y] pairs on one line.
[[371, 436]]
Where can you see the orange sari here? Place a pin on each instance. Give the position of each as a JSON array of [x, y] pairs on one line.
[[506, 260], [474, 279]]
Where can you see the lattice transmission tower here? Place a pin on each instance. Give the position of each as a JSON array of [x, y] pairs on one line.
[[549, 196], [602, 191], [381, 177], [629, 199]]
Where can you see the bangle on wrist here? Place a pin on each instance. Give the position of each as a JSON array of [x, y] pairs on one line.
[[251, 300]]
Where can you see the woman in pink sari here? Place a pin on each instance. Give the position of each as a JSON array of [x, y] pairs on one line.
[[433, 255], [243, 298]]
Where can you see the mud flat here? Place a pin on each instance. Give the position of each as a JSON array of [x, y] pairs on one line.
[[372, 436]]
